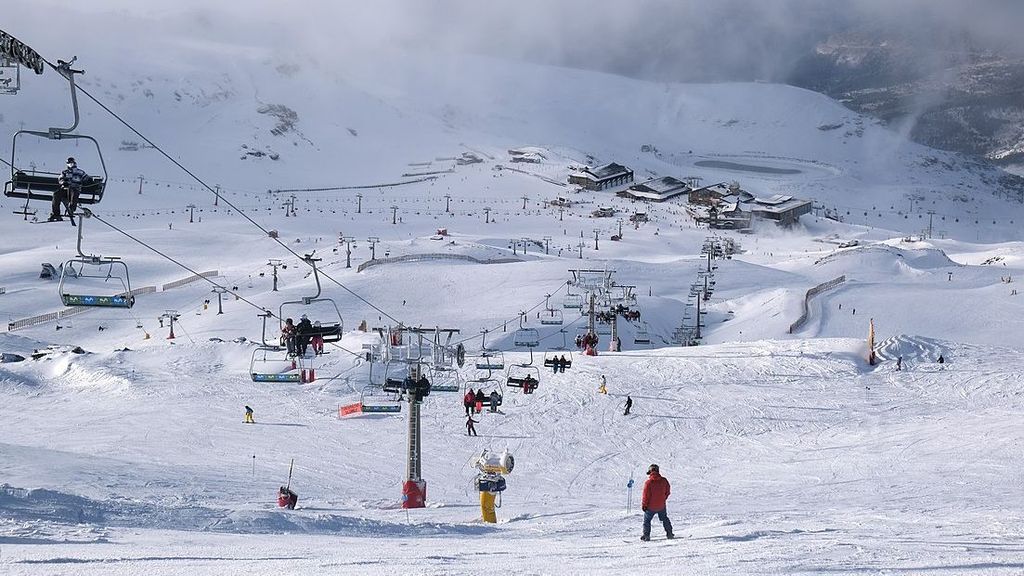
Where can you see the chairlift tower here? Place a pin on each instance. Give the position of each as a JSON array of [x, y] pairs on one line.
[[171, 315], [447, 203], [394, 214], [275, 263], [219, 291], [373, 240], [597, 232], [191, 213], [347, 240], [359, 203]]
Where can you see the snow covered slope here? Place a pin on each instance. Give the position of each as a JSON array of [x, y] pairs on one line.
[[787, 452]]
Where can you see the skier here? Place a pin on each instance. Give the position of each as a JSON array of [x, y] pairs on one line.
[[470, 430], [68, 189], [555, 365], [478, 400], [629, 405], [653, 502], [899, 363], [468, 400], [317, 340], [288, 336], [248, 416], [562, 363], [303, 333], [495, 400], [603, 388]]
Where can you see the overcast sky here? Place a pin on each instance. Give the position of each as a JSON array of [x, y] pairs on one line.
[[657, 39]]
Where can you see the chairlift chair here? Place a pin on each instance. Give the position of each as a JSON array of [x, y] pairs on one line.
[[445, 380], [330, 330], [272, 364], [523, 376], [42, 185], [551, 317], [641, 336], [573, 301], [490, 360], [376, 400], [526, 338], [92, 273]]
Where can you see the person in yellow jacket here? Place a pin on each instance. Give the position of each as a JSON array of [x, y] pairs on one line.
[[603, 388], [248, 416]]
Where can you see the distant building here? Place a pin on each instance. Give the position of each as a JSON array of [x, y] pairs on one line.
[[657, 189], [603, 177], [784, 210], [528, 155]]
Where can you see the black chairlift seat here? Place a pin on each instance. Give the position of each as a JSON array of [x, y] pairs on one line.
[[528, 385], [44, 186], [552, 362], [329, 332]]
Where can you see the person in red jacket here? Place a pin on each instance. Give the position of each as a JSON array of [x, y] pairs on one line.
[[468, 401], [656, 493]]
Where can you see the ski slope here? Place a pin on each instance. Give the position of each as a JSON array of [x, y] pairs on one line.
[[788, 453]]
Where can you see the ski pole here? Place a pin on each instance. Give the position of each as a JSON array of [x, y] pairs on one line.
[[290, 466]]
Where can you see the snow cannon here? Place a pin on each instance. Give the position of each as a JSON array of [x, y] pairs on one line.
[[490, 482]]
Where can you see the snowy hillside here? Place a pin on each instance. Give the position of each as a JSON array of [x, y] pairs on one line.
[[787, 451]]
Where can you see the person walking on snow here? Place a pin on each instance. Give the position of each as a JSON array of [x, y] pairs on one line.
[[248, 416], [654, 501], [470, 430], [629, 405], [603, 388]]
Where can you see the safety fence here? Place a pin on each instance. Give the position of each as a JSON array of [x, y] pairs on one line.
[[190, 279], [67, 312], [418, 257], [807, 300]]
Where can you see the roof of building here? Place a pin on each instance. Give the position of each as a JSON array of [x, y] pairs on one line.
[[609, 170], [778, 204], [658, 188]]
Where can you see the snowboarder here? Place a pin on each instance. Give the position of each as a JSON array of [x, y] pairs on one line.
[[629, 405], [942, 360], [603, 388], [470, 430], [68, 189], [248, 416], [653, 502], [899, 363], [468, 400]]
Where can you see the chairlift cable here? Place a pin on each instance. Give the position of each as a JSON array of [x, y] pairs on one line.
[[222, 199]]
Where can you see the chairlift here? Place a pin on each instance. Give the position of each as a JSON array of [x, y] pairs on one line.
[[444, 379], [329, 330], [272, 364], [490, 360], [525, 337], [551, 317], [523, 376], [43, 185], [553, 357], [487, 385], [641, 336], [91, 275], [573, 301], [378, 400]]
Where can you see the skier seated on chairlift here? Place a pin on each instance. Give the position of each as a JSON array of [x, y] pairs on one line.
[[562, 363], [479, 398], [69, 187], [303, 333], [317, 341], [529, 384], [496, 399], [288, 336]]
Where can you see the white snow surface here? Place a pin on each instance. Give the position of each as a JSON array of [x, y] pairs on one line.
[[787, 453]]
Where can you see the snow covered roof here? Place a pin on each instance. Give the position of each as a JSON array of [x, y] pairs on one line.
[[610, 170]]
